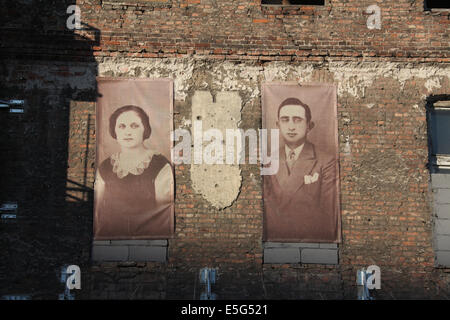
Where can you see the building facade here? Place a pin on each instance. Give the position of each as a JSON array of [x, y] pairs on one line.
[[390, 64]]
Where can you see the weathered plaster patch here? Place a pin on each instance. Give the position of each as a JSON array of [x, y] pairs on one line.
[[280, 71], [352, 78], [186, 122], [242, 78], [355, 77], [219, 184], [432, 83], [180, 70]]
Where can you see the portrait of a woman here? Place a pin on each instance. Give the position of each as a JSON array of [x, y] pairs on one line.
[[133, 187]]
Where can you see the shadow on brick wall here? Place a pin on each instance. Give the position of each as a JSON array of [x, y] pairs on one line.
[[51, 68]]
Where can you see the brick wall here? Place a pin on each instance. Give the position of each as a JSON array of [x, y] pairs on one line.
[[242, 30], [384, 78]]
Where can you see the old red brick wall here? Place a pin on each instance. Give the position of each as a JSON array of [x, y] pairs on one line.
[[384, 79], [245, 30]]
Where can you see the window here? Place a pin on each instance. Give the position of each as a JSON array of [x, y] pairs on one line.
[[439, 131], [439, 149], [293, 2], [436, 4]]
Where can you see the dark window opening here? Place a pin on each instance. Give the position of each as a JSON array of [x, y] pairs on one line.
[[436, 4], [439, 135], [440, 125], [294, 2]]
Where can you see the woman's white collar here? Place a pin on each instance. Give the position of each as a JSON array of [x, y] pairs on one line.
[[121, 171]]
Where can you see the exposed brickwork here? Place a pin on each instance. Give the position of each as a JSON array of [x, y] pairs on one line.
[[383, 76], [232, 30]]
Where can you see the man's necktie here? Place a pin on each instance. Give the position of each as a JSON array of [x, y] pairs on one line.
[[291, 160]]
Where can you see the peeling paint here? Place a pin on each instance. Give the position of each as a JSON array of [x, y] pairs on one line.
[[353, 78], [180, 70], [279, 71], [242, 78], [432, 83]]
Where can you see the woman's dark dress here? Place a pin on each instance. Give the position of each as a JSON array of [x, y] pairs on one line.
[[128, 209]]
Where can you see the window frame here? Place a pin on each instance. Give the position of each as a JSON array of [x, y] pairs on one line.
[[437, 161]]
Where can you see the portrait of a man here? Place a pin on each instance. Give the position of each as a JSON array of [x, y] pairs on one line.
[[301, 199], [134, 183]]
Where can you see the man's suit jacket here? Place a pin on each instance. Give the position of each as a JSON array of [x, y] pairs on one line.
[[299, 208]]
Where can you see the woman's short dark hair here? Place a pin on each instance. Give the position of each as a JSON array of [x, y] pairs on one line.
[[142, 115], [296, 102]]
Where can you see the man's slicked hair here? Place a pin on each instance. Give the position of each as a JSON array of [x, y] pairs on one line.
[[296, 102], [141, 114]]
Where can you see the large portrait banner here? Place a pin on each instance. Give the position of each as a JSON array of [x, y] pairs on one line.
[[134, 183], [301, 200]]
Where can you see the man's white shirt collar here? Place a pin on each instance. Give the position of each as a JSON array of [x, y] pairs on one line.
[[297, 151]]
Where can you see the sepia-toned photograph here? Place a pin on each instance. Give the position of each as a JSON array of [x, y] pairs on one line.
[[301, 200], [134, 183]]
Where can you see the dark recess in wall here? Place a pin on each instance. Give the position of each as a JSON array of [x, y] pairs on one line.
[[49, 231], [436, 4]]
